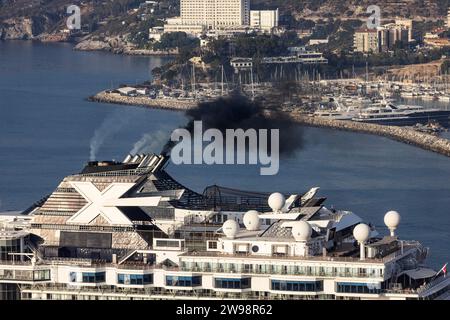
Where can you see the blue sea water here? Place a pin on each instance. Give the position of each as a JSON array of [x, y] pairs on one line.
[[47, 129]]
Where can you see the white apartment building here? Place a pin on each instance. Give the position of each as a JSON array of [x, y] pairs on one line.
[[215, 13], [265, 20]]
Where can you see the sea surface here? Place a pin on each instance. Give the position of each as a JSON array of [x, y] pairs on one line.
[[48, 130]]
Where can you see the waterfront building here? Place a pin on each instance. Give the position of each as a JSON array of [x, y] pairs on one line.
[[298, 55], [265, 20], [128, 230]]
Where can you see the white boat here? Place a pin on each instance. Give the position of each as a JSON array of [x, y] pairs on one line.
[[341, 111], [390, 114]]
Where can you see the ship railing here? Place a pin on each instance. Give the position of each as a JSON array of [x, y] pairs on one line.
[[400, 291], [286, 257], [432, 283], [119, 173], [15, 262], [77, 261], [148, 291], [278, 272]]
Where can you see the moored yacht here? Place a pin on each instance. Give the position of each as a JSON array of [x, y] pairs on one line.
[[388, 113]]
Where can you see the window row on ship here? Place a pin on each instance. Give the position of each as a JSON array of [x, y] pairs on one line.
[[282, 267]]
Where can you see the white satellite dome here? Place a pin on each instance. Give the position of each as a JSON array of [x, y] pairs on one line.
[[392, 219], [301, 231], [276, 201], [251, 220], [361, 232], [230, 228]]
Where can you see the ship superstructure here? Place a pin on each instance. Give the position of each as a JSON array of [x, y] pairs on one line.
[[128, 230]]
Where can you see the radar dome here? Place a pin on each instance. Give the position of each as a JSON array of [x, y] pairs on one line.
[[361, 232], [230, 228], [251, 220], [392, 219], [301, 231], [276, 201]]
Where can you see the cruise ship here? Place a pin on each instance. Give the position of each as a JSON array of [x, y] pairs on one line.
[[128, 230]]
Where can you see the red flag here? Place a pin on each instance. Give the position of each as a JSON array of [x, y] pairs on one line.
[[444, 270]]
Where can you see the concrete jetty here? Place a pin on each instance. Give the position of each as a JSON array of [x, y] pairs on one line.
[[171, 104], [402, 134]]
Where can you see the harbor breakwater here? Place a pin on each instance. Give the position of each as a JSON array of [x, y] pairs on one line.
[[402, 134], [171, 104]]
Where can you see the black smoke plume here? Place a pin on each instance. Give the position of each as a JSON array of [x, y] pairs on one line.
[[238, 112]]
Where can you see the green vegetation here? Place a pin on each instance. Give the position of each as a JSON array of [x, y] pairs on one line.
[[176, 40]]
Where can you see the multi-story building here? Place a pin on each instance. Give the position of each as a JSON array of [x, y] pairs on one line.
[[265, 20], [382, 38], [407, 23], [366, 41], [390, 34], [211, 15]]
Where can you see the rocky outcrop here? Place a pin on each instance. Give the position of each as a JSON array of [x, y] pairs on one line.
[[117, 45], [25, 28], [17, 29], [93, 45]]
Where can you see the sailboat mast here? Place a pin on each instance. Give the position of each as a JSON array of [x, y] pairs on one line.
[[222, 82]]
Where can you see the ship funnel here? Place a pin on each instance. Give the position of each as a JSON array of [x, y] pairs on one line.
[[128, 158]]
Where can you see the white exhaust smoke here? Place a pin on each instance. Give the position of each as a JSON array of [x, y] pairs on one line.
[[150, 143], [113, 123]]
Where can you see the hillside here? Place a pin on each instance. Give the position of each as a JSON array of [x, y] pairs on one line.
[[127, 22], [356, 8]]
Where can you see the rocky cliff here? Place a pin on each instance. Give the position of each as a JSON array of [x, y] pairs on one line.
[[17, 29]]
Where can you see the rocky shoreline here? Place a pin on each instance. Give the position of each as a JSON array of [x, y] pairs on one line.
[[406, 135], [117, 46], [422, 140]]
